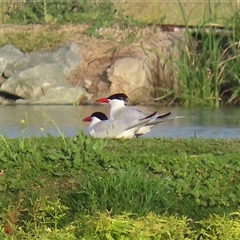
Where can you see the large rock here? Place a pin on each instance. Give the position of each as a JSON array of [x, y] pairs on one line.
[[60, 95], [34, 82], [66, 57], [41, 78], [131, 76], [12, 59]]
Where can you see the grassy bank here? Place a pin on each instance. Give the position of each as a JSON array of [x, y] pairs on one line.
[[58, 188]]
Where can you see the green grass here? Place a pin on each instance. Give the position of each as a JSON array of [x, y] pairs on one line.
[[28, 41], [209, 75], [98, 15], [62, 184]]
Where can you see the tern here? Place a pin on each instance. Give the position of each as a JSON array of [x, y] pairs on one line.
[[102, 127], [120, 110]]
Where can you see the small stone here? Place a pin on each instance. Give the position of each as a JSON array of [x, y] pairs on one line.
[[88, 83]]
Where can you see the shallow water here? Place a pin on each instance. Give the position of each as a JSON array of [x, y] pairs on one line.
[[36, 121]]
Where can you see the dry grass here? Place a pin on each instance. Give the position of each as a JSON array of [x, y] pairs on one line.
[[154, 11]]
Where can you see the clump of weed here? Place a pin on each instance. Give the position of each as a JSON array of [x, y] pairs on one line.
[[209, 73], [28, 40]]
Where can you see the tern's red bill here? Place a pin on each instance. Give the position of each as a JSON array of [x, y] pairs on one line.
[[102, 100], [87, 119]]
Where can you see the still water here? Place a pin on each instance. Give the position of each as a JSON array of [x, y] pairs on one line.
[[36, 121]]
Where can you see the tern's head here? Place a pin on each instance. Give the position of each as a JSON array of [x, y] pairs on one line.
[[99, 115], [115, 99]]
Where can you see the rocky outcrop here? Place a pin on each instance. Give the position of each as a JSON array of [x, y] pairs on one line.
[[131, 76], [142, 69], [41, 78]]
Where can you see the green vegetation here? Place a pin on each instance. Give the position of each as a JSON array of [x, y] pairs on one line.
[[29, 41], [210, 75], [98, 15], [58, 188], [60, 12]]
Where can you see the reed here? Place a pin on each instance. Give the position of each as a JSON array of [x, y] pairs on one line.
[[208, 73]]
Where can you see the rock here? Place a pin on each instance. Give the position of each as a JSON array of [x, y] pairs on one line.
[[3, 101], [102, 89], [12, 59], [63, 95], [34, 82], [66, 57], [3, 64], [2, 80], [131, 76], [88, 83], [41, 78]]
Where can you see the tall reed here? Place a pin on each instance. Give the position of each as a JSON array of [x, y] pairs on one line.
[[208, 71]]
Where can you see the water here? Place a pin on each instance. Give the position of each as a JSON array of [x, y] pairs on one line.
[[36, 121]]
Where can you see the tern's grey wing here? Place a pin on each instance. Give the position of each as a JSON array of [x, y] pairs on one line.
[[128, 113], [108, 129], [137, 125]]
